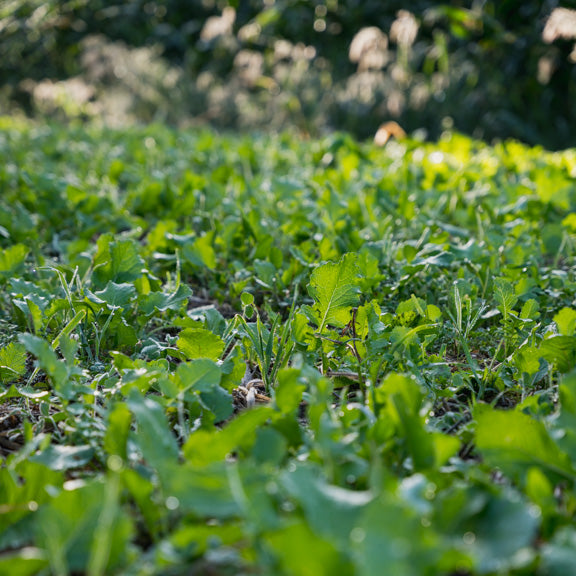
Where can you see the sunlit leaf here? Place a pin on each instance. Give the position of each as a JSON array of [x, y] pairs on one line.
[[504, 296], [11, 260], [566, 321], [200, 343], [335, 290], [12, 362], [515, 442]]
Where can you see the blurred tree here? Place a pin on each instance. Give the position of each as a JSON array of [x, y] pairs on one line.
[[480, 66]]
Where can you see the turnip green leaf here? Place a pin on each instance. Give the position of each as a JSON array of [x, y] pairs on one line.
[[335, 290], [200, 343], [515, 442], [12, 362]]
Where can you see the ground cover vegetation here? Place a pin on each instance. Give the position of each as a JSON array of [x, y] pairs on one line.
[[492, 69], [261, 355]]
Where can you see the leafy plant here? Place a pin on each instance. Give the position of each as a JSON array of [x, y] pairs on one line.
[[280, 356]]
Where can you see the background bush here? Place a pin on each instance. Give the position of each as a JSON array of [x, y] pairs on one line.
[[481, 67]]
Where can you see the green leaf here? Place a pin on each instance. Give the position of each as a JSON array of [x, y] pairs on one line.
[[143, 491], [530, 310], [200, 252], [160, 301], [71, 528], [48, 361], [335, 290], [61, 458], [219, 402], [559, 351], [204, 447], [200, 343], [24, 482], [247, 298], [565, 424], [399, 400], [559, 555], [116, 261], [270, 446], [12, 362], [504, 296], [331, 511], [288, 392], [114, 295], [390, 535], [301, 551], [12, 260], [495, 527], [27, 561], [205, 491], [515, 442], [527, 359], [566, 321], [198, 375], [118, 430], [154, 436]]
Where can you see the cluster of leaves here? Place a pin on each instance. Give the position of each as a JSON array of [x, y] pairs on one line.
[[483, 66], [261, 355]]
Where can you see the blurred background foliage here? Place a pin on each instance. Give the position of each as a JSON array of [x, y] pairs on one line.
[[493, 69]]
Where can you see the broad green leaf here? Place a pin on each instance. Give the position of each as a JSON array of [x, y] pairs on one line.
[[530, 310], [200, 252], [493, 527], [566, 321], [392, 536], [504, 296], [219, 401], [398, 401], [270, 446], [201, 537], [71, 528], [160, 301], [527, 359], [61, 458], [154, 436], [36, 314], [559, 351], [302, 551], [331, 511], [565, 424], [205, 490], [198, 375], [48, 361], [559, 555], [539, 489], [335, 291], [12, 260], [23, 392], [143, 490], [116, 261], [118, 430], [23, 483], [12, 362], [200, 343], [515, 442], [288, 392], [204, 447], [24, 562], [114, 295]]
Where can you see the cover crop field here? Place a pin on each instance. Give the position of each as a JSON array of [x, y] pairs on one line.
[[260, 355]]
